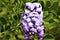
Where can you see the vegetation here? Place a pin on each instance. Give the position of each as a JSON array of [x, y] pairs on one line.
[[10, 11]]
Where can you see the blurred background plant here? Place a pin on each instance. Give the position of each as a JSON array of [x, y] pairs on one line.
[[10, 11]]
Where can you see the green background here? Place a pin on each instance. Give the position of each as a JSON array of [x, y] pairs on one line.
[[10, 11]]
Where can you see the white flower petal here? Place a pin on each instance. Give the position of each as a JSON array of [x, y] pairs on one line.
[[28, 19], [28, 4], [26, 11], [30, 24], [24, 17]]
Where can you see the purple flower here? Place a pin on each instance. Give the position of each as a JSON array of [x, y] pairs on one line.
[[32, 20]]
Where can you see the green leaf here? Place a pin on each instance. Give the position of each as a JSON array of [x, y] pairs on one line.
[[48, 4], [54, 6], [46, 22], [45, 13], [48, 17], [49, 37], [3, 11], [12, 1], [56, 20], [59, 16], [42, 3]]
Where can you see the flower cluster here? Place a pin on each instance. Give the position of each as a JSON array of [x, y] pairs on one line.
[[32, 20]]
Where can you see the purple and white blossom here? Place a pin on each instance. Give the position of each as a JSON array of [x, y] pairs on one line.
[[32, 21]]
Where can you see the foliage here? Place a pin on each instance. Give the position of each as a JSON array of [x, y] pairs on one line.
[[10, 11]]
